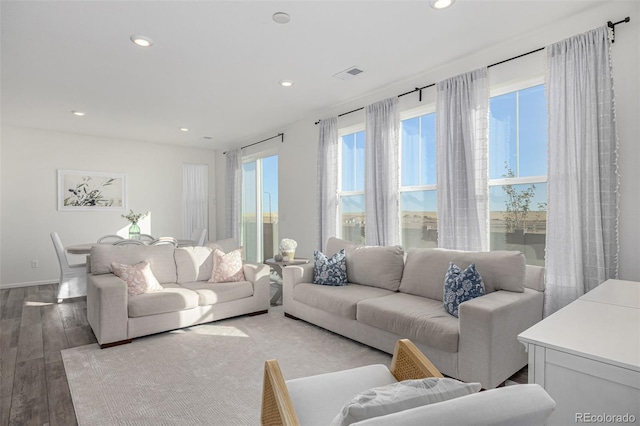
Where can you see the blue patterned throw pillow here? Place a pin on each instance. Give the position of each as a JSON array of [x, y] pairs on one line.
[[330, 270], [460, 286]]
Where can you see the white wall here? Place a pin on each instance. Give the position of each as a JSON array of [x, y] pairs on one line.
[[29, 163], [297, 162]]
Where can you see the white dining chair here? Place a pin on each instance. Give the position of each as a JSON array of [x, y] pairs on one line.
[[146, 237], [73, 278], [124, 242], [198, 236], [111, 238], [164, 240]]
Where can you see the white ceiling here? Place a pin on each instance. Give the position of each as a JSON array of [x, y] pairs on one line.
[[215, 65]]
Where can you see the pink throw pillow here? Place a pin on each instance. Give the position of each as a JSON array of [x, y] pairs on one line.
[[138, 277], [227, 267]]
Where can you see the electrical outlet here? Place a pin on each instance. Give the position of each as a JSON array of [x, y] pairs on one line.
[[34, 263]]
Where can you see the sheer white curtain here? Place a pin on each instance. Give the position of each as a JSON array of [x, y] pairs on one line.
[[327, 180], [582, 240], [234, 194], [195, 198], [462, 133], [381, 174]]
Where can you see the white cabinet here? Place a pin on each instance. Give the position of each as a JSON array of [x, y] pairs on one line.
[[587, 356]]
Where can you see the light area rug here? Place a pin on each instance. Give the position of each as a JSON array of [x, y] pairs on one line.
[[209, 374]]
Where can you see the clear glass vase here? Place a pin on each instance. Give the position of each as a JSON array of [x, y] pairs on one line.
[[134, 231]]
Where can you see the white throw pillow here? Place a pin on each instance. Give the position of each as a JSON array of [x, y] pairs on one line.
[[227, 267], [401, 396], [138, 277]]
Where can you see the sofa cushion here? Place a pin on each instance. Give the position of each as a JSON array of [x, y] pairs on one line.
[[227, 267], [375, 266], [193, 263], [419, 319], [334, 245], [160, 258], [460, 286], [212, 293], [401, 396], [317, 399], [329, 270], [170, 299], [227, 245], [340, 301], [138, 277], [426, 268]]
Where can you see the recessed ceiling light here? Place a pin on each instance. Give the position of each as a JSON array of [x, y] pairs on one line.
[[184, 129], [141, 41], [78, 113], [441, 4], [286, 83], [281, 18]]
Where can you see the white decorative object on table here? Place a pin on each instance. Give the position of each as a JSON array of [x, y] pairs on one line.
[[288, 249]]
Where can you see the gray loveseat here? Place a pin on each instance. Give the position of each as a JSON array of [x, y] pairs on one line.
[[389, 298], [186, 299]]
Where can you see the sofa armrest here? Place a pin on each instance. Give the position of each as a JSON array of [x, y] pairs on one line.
[[256, 272], [291, 277], [258, 275], [534, 277], [488, 350], [523, 405], [296, 274], [107, 310]]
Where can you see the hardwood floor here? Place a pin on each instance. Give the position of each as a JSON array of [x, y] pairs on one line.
[[33, 331]]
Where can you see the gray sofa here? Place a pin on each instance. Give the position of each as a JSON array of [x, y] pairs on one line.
[[389, 298], [186, 299]]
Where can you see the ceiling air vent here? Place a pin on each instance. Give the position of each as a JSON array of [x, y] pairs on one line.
[[349, 73]]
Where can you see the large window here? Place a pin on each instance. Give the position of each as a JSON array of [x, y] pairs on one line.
[[418, 213], [518, 172], [517, 177], [260, 208], [351, 194]]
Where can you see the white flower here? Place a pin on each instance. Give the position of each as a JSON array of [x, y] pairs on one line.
[[288, 244]]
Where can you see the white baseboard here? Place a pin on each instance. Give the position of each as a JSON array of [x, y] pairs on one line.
[[28, 284]]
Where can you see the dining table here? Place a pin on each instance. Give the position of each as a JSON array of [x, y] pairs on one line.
[[85, 248]]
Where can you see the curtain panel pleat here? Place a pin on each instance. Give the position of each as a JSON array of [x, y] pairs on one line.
[[327, 181], [582, 237], [462, 134], [233, 194], [381, 174], [195, 194]]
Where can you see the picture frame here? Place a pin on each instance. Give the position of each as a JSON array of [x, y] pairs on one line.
[[91, 191]]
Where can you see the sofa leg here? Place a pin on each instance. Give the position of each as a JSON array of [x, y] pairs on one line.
[[121, 342], [291, 316], [253, 314]]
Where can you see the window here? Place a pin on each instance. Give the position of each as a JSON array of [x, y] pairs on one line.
[[351, 193], [260, 208], [518, 172], [418, 213]]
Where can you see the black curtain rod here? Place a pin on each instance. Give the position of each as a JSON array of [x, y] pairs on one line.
[[420, 89], [612, 25], [279, 135]]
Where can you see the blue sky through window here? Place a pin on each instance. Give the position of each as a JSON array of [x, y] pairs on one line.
[[521, 143]]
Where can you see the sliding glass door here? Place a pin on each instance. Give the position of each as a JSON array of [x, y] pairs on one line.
[[260, 208]]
